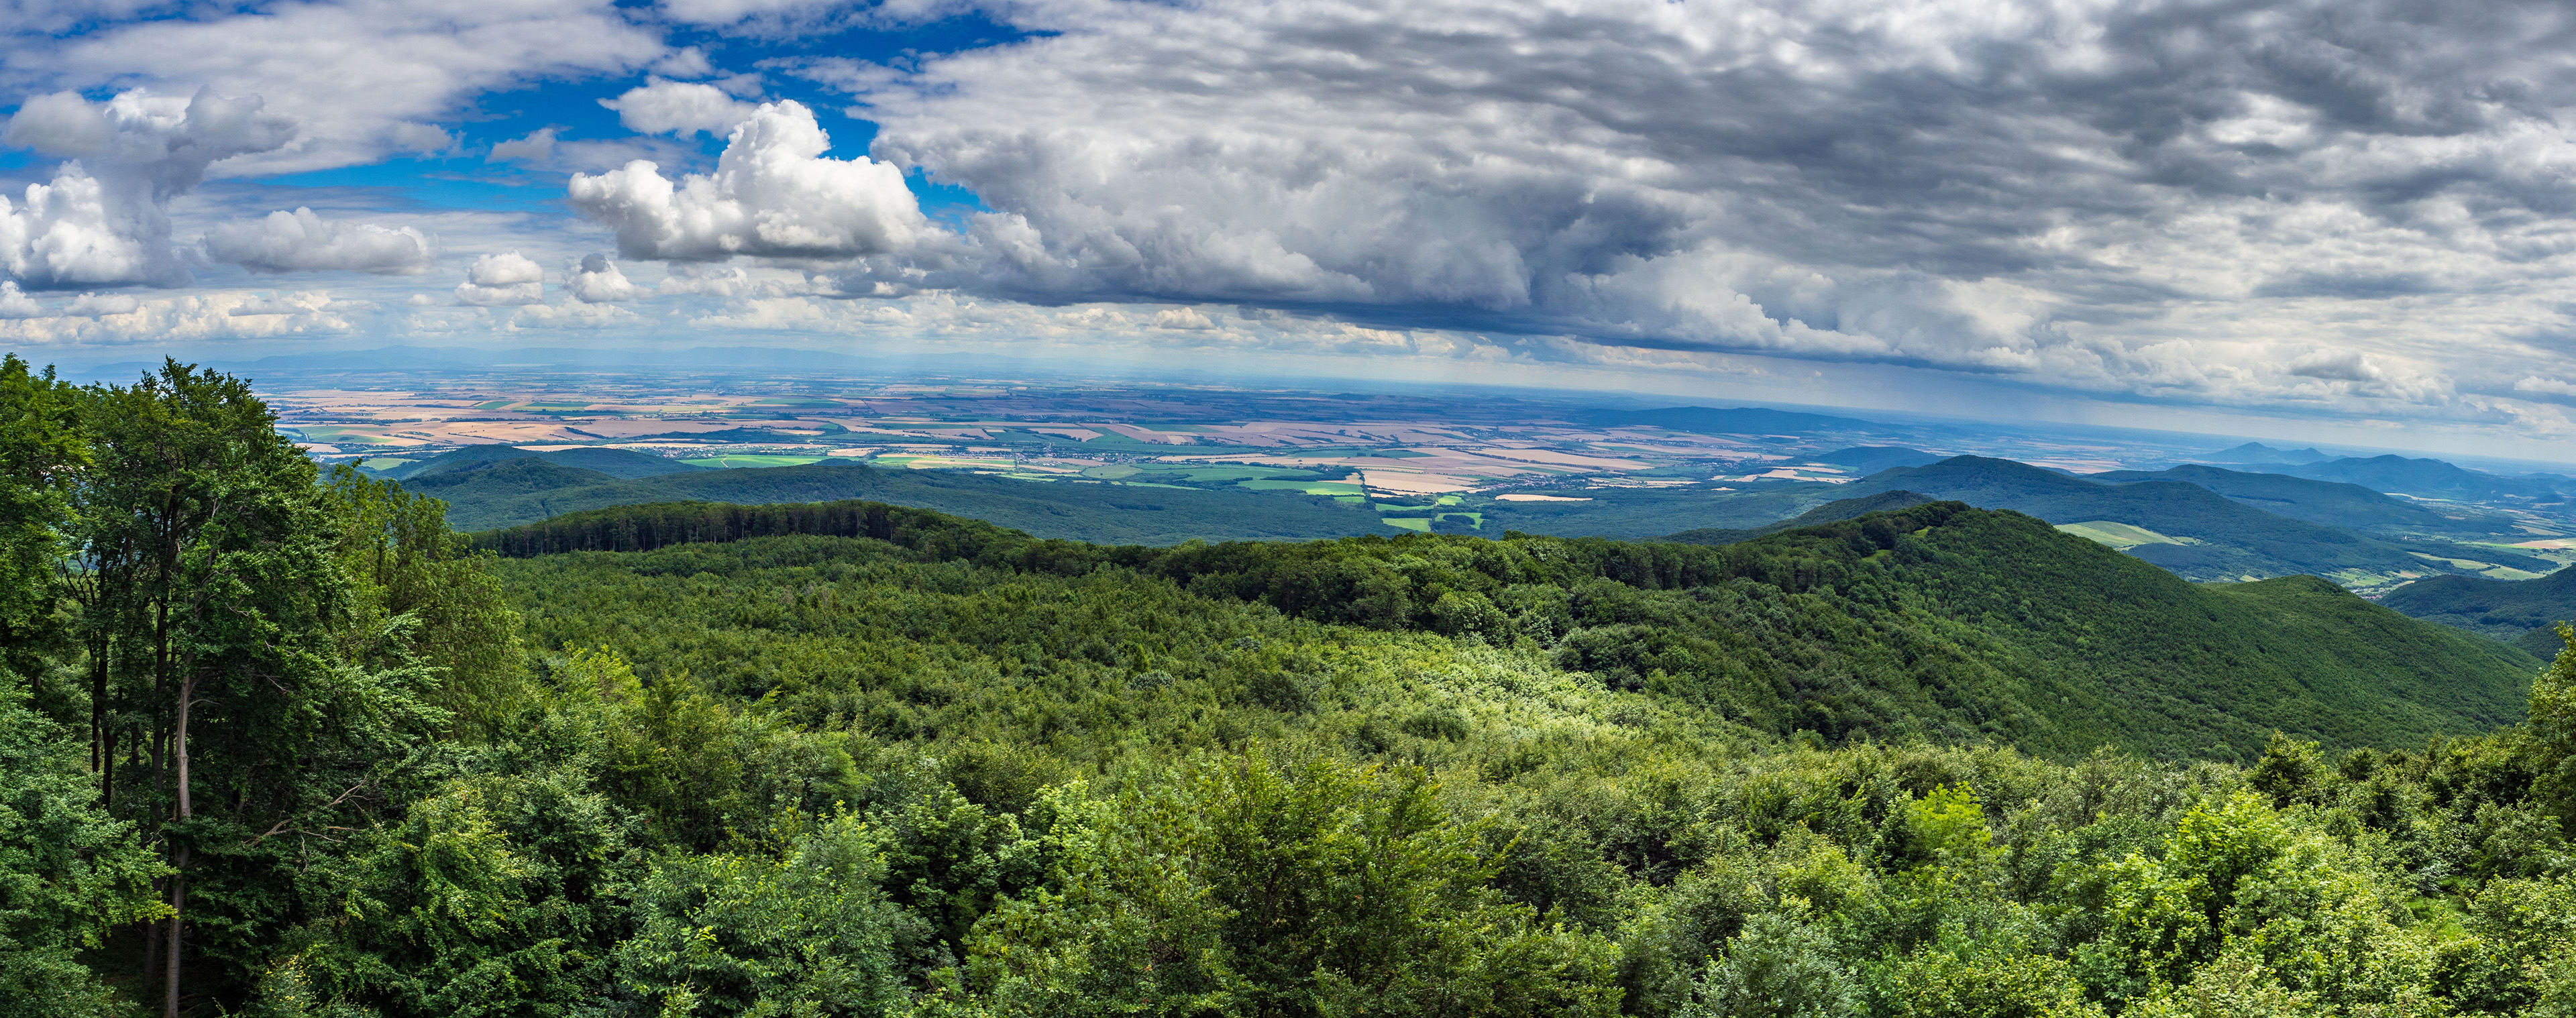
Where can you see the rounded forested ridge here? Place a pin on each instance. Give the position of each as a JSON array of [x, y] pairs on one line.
[[276, 742]]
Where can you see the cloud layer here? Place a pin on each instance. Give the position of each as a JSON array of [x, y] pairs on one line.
[[2153, 199], [2351, 208], [300, 241]]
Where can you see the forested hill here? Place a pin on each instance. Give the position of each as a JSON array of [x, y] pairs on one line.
[[1830, 512], [1938, 621], [2522, 612], [2332, 503], [2225, 539], [523, 490]]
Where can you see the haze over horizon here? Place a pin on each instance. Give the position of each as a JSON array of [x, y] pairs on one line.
[[2342, 223]]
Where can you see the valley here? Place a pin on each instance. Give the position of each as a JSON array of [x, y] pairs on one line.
[[1165, 462]]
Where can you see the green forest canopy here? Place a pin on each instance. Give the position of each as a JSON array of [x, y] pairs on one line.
[[936, 767]]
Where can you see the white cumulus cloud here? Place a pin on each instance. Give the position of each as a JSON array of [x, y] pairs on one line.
[[773, 194], [706, 280], [679, 107], [597, 281], [300, 241], [14, 303], [497, 280], [93, 305], [103, 219], [2336, 366], [535, 147]]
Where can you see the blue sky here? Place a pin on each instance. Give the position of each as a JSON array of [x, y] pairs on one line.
[[2345, 222]]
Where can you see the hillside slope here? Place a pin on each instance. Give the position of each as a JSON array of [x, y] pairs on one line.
[[2431, 477], [528, 490], [2230, 540], [1830, 512], [1874, 458], [2333, 503], [2522, 612], [618, 463], [1938, 622]]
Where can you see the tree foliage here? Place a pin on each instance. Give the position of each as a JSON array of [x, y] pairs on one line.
[[863, 760]]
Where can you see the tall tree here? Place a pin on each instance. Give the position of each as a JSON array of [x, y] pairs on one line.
[[418, 592], [218, 616], [40, 450]]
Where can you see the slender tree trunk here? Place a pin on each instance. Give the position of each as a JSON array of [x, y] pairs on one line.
[[179, 880], [151, 956], [170, 960], [98, 714]]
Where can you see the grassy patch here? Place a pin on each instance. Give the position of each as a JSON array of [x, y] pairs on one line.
[[1334, 488], [731, 462], [1235, 473], [2121, 535]]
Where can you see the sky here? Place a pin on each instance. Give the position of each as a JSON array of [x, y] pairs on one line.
[[2348, 221]]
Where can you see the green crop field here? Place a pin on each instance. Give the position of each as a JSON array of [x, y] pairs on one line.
[[338, 435], [730, 462], [2121, 535], [1334, 488], [1235, 473]]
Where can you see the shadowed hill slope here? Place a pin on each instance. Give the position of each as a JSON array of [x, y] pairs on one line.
[[2522, 612], [2230, 540], [624, 464], [1830, 512], [2432, 477], [524, 491], [2333, 503]]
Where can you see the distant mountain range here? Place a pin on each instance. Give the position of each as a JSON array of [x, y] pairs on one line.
[[2199, 533], [2429, 478], [2436, 479], [1728, 421], [2258, 454], [2334, 503]]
